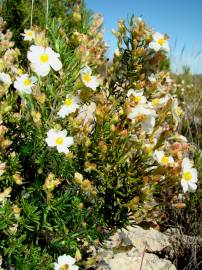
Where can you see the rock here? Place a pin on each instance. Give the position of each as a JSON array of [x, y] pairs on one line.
[[150, 240], [135, 260], [130, 249]]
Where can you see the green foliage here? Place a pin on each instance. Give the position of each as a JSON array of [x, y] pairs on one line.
[[57, 201]]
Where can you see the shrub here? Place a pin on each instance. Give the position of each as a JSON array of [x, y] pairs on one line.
[[86, 146]]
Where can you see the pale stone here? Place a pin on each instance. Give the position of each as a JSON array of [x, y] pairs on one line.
[[128, 249], [132, 261], [151, 240]]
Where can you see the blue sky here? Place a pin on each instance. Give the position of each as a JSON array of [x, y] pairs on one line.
[[180, 19]]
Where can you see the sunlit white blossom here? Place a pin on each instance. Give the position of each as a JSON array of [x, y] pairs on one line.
[[28, 34], [137, 96], [66, 262], [24, 83], [160, 102], [163, 159], [70, 105], [59, 140], [43, 59], [87, 78], [145, 114], [189, 176], [159, 42]]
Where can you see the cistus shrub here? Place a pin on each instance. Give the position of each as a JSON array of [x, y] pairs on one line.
[[86, 146]]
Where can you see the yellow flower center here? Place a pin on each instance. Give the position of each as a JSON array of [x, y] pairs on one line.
[[87, 77], [59, 140], [44, 58], [156, 101], [137, 99], [187, 176], [68, 101], [161, 41], [64, 267], [30, 33], [27, 82], [165, 160]]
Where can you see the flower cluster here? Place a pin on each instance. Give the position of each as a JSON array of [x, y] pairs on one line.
[[124, 154], [66, 262]]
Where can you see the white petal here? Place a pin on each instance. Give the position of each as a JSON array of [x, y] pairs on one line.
[[17, 85], [186, 163], [86, 70], [155, 46], [26, 90], [132, 114], [51, 133], [194, 174], [37, 49], [158, 155], [62, 149], [156, 36], [184, 185], [50, 141], [143, 100], [33, 56], [166, 47], [131, 92], [192, 186], [68, 141], [66, 259], [63, 111], [41, 69], [55, 63], [74, 267], [56, 266], [93, 83], [62, 133]]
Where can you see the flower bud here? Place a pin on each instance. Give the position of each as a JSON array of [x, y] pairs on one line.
[[6, 143], [76, 17], [78, 178], [18, 179]]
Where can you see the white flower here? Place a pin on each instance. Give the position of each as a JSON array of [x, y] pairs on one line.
[[159, 42], [42, 59], [28, 34], [189, 176], [145, 114], [160, 102], [24, 83], [137, 96], [89, 80], [60, 140], [152, 78], [66, 262], [5, 78], [70, 105], [163, 159]]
